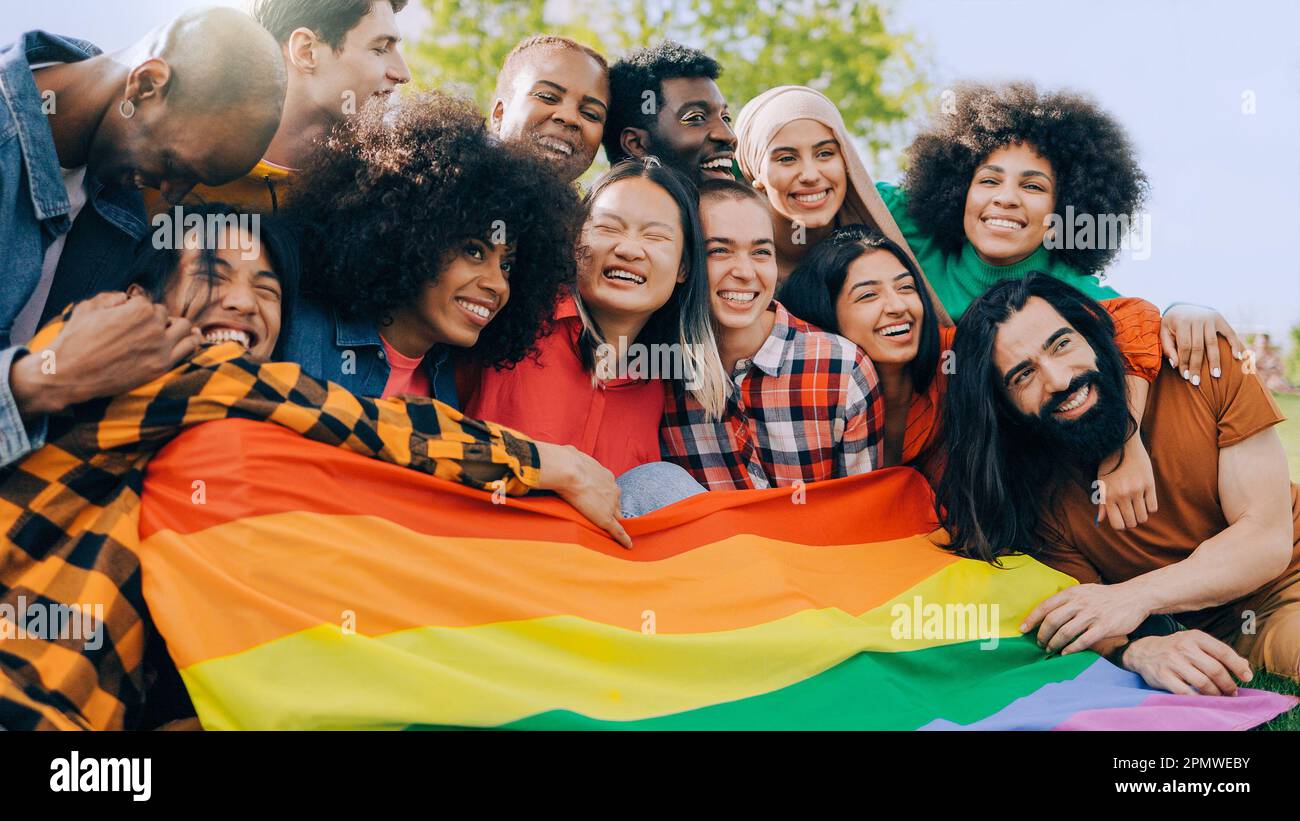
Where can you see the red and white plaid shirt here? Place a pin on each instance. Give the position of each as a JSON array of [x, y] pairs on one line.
[[807, 407]]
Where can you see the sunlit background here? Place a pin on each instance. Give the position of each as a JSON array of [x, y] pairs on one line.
[[1210, 92]]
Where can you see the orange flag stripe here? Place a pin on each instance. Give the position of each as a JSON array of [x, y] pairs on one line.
[[439, 581], [271, 470]]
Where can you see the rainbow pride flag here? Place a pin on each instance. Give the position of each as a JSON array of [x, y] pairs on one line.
[[299, 586]]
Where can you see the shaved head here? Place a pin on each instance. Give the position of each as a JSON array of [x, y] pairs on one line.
[[223, 61], [531, 49], [197, 100]]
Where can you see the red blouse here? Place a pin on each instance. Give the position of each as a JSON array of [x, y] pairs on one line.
[[551, 399]]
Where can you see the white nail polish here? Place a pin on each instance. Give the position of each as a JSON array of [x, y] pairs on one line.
[[1216, 373], [1187, 374], [1196, 380]]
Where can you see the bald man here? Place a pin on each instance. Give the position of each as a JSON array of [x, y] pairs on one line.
[[341, 55], [197, 100]]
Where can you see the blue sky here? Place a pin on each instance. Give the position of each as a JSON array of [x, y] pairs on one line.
[[1225, 185]]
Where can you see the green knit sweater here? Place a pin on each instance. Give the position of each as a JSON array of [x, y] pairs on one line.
[[960, 278]]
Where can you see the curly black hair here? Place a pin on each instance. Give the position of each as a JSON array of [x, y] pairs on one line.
[[156, 264], [1094, 161], [389, 198], [645, 69]]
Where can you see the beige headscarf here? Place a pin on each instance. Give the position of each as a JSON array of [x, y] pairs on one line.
[[766, 114]]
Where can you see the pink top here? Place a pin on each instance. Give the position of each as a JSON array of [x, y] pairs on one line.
[[406, 376]]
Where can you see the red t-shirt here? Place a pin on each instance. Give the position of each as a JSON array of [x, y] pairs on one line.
[[552, 399], [406, 376]]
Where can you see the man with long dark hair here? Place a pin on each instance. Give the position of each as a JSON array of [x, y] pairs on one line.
[[1037, 398]]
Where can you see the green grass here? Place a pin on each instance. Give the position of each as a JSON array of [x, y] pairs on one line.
[[1278, 684], [1290, 432]]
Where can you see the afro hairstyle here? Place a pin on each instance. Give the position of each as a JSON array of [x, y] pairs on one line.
[[391, 197], [1094, 161]]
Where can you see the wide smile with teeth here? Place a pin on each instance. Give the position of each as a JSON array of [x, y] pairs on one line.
[[558, 146], [624, 276], [717, 164], [216, 336], [474, 308], [895, 330], [1076, 399], [812, 199], [739, 297], [997, 222]]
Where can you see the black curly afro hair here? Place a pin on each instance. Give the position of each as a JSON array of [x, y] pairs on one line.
[[389, 198], [1094, 162], [645, 69]]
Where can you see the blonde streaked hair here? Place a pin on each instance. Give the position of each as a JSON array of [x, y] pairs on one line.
[[685, 319]]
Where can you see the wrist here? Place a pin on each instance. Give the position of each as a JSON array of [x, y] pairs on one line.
[[37, 393], [1129, 655], [1116, 654], [1142, 595], [556, 466]]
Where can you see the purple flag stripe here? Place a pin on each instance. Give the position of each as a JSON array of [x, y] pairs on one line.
[[1106, 697]]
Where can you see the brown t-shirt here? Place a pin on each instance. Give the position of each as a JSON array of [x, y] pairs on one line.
[[1184, 427]]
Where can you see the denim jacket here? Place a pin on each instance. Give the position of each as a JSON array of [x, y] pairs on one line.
[[34, 211], [350, 353]]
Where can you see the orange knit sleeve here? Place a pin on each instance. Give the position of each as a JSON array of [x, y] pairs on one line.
[[1137, 332], [923, 413], [947, 333]]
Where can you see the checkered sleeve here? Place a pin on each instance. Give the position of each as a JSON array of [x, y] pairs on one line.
[[863, 404], [18, 436], [423, 434]]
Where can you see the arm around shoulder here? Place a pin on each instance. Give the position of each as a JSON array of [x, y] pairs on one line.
[[24, 407]]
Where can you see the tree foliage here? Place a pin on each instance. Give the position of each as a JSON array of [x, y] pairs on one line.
[[847, 50], [1293, 358]]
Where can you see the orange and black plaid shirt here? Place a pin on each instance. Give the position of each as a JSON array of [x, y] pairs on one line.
[[70, 513]]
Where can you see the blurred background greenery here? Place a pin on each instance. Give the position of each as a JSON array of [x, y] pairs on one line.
[[857, 53], [1290, 430], [851, 51]]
